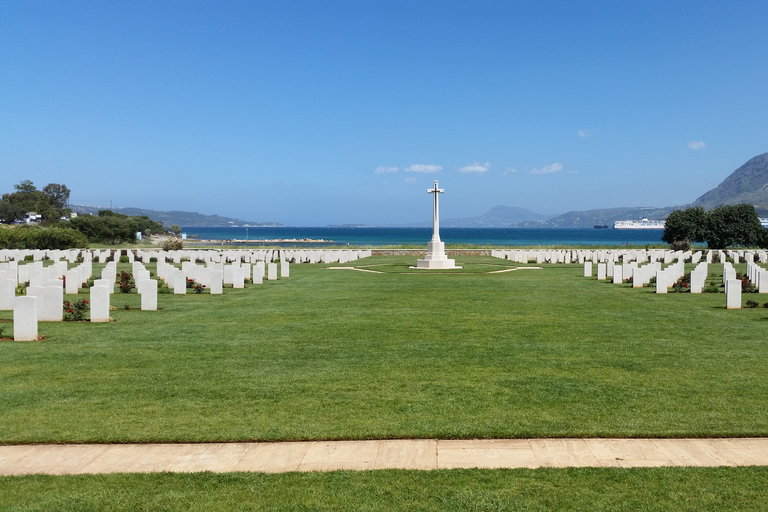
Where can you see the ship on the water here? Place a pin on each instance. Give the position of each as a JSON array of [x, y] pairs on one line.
[[639, 224]]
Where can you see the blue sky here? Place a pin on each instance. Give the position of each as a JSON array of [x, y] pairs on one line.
[[327, 112]]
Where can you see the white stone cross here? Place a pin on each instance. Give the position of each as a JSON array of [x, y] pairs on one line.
[[435, 213], [435, 257]]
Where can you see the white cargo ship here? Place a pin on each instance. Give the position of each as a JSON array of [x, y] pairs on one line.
[[639, 224]]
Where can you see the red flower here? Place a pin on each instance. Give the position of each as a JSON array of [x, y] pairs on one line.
[[85, 302], [69, 311]]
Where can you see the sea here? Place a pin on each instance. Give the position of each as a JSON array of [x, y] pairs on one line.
[[380, 236]]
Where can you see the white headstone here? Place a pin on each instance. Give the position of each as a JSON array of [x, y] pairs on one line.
[[238, 277], [99, 303], [733, 294], [179, 283], [7, 294], [217, 280], [149, 295], [73, 286], [272, 271], [25, 318], [617, 273], [39, 293], [54, 304]]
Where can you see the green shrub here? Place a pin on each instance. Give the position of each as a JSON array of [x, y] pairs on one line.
[[36, 237], [126, 282], [75, 311]]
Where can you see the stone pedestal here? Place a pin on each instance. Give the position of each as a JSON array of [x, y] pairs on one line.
[[436, 258]]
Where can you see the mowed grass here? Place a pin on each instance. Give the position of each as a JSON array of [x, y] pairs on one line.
[[676, 489], [340, 354]]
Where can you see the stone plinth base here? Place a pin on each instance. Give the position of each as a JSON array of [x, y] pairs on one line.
[[436, 258]]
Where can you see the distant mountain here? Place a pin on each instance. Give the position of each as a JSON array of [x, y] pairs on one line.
[[496, 217], [184, 219], [603, 217], [747, 184]]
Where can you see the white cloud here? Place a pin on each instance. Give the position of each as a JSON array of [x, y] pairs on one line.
[[697, 144], [385, 170], [425, 168], [476, 168], [509, 171], [586, 133], [411, 180], [547, 169]]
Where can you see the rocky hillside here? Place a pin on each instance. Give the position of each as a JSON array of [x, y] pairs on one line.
[[747, 184]]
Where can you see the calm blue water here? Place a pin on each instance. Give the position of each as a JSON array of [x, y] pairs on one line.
[[420, 236]]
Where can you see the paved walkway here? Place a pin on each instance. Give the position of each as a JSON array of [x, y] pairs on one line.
[[366, 455]]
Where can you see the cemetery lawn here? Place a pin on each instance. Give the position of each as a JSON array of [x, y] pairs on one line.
[[677, 489], [341, 354]]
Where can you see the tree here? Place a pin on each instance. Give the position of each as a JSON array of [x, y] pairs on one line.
[[10, 213], [58, 195], [687, 225], [733, 225], [720, 227], [175, 229], [33, 201], [25, 186]]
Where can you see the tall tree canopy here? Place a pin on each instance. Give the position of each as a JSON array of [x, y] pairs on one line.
[[49, 202], [720, 227]]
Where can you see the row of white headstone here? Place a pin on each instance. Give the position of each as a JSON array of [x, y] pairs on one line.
[[206, 256], [214, 275], [668, 276], [199, 255], [625, 255]]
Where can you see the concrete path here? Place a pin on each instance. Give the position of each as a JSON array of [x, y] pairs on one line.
[[366, 455]]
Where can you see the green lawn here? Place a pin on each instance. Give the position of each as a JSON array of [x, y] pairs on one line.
[[335, 354], [338, 354], [677, 489]]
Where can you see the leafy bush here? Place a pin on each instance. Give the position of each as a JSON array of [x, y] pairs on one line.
[[746, 284], [680, 245], [124, 259], [126, 282], [75, 312], [711, 288], [112, 228], [36, 237], [173, 244], [682, 285], [751, 304]]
